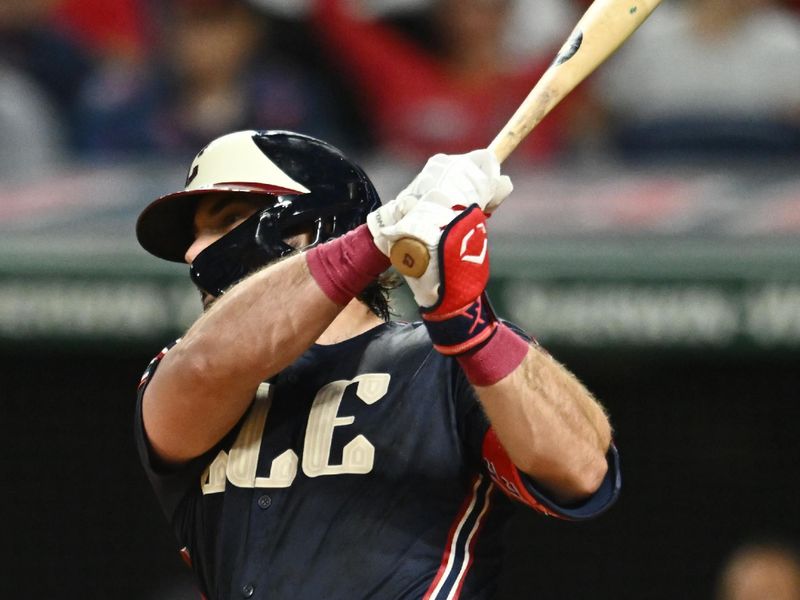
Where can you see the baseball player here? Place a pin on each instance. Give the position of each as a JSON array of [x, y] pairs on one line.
[[302, 445]]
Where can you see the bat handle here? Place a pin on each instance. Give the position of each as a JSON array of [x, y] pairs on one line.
[[507, 140], [410, 257]]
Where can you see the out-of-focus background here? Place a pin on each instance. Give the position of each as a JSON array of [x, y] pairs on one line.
[[652, 244]]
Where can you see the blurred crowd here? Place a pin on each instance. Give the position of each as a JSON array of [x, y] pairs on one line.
[[766, 568], [117, 80]]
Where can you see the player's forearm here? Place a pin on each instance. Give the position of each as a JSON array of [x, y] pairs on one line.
[[207, 381], [259, 327], [550, 425]]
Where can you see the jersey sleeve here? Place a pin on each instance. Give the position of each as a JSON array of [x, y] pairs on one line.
[[478, 435], [170, 483], [522, 488]]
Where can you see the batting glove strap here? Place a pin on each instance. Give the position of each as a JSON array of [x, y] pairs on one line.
[[462, 330]]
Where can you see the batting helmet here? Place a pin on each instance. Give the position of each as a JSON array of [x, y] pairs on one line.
[[308, 183]]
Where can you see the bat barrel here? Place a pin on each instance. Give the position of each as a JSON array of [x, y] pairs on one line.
[[601, 30]]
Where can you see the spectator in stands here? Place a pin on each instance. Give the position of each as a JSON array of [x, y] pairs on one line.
[[218, 72], [767, 570], [451, 96], [31, 134], [115, 28], [48, 64], [708, 79], [536, 28]]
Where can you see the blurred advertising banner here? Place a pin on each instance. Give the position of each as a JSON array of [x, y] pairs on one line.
[[598, 257]]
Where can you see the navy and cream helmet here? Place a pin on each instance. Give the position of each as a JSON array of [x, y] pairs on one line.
[[306, 183]]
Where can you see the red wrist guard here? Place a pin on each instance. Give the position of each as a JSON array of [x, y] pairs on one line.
[[344, 266], [497, 358]]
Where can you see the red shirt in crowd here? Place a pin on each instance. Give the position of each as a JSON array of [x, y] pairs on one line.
[[416, 108]]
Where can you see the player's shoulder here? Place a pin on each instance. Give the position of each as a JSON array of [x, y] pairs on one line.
[[390, 332], [391, 339], [411, 330], [406, 337]]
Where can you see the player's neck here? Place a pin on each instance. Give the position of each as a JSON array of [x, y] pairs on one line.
[[355, 318]]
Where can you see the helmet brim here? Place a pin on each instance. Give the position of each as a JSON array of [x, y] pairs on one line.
[[165, 228]]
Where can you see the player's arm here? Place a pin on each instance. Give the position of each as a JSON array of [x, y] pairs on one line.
[[206, 382], [548, 423]]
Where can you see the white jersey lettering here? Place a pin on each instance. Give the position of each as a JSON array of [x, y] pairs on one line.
[[240, 464]]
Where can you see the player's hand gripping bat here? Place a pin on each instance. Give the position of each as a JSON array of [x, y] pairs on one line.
[[600, 31]]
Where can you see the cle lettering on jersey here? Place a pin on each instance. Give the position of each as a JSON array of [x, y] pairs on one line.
[[239, 465]]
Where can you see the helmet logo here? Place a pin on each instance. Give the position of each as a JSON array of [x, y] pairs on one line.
[[194, 168], [192, 174]]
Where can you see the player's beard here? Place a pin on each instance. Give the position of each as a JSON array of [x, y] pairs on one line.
[[301, 243]]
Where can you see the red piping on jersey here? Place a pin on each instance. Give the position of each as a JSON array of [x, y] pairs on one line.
[[471, 540], [445, 568], [185, 556], [149, 370], [446, 556]]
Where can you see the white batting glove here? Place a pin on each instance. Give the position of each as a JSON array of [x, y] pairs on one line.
[[461, 180], [382, 219], [424, 221], [452, 181]]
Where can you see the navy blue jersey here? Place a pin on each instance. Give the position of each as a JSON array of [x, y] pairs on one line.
[[366, 469]]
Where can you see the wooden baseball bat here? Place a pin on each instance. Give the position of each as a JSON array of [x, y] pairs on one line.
[[602, 29]]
